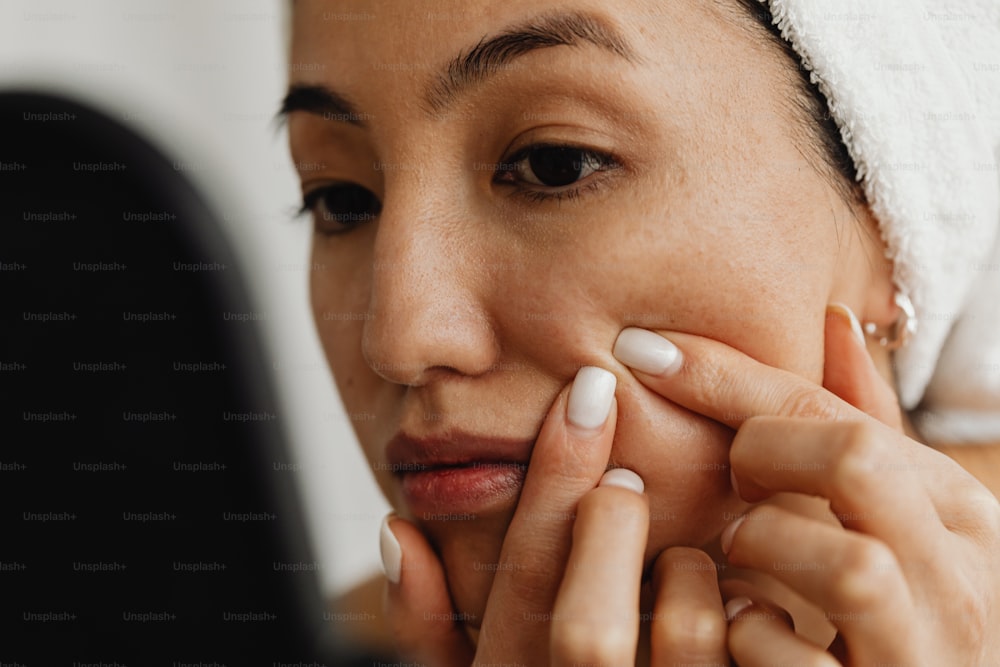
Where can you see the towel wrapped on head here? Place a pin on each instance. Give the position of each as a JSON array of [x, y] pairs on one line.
[[915, 89]]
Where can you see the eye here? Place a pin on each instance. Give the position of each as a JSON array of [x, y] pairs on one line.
[[551, 168], [340, 207]]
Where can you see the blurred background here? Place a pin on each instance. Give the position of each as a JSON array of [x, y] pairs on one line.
[[202, 81]]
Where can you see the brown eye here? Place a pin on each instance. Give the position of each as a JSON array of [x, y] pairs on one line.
[[554, 166], [340, 208]]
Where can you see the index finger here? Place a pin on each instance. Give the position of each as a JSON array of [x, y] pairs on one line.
[[720, 382], [568, 460]]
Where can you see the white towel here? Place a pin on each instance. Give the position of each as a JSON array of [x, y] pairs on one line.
[[915, 88]]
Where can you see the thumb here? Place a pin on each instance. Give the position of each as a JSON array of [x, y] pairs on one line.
[[418, 607], [849, 371]]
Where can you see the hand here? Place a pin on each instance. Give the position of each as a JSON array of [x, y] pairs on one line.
[[910, 579], [567, 585]]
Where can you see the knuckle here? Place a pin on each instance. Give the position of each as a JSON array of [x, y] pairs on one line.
[[983, 508], [687, 634], [675, 555], [586, 642], [613, 505], [977, 620], [820, 660], [680, 561], [751, 431], [972, 611], [809, 401], [857, 459], [866, 572], [707, 380], [527, 576], [563, 462]]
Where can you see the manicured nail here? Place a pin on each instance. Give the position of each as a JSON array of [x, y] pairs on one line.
[[735, 606], [590, 397], [646, 351], [726, 538], [624, 478], [844, 311], [392, 553]]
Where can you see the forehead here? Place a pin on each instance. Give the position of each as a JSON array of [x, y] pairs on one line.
[[693, 71], [364, 43]]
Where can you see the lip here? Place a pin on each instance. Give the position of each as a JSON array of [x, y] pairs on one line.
[[458, 476]]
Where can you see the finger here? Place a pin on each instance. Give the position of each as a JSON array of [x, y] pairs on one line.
[[759, 636], [715, 380], [689, 625], [720, 382], [856, 579], [873, 487], [741, 588], [418, 606], [569, 458], [849, 371], [595, 620]]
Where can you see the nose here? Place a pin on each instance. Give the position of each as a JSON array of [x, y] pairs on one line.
[[426, 298]]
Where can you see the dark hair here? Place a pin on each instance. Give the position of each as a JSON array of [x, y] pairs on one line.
[[824, 147]]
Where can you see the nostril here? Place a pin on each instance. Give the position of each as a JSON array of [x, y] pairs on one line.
[[410, 345]]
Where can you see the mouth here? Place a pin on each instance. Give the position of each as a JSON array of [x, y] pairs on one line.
[[458, 476]]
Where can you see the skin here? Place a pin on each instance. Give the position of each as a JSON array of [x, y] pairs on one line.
[[473, 308]]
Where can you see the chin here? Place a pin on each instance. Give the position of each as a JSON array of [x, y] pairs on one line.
[[470, 552]]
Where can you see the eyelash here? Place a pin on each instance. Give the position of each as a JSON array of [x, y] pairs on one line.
[[312, 199], [607, 162]]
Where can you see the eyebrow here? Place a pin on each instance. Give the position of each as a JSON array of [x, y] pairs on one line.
[[321, 101], [493, 54], [476, 64]]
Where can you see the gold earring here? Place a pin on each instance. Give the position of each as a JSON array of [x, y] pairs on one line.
[[901, 330]]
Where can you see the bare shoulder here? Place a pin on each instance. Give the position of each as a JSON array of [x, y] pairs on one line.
[[357, 613]]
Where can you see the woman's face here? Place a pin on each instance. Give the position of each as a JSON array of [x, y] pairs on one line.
[[509, 216]]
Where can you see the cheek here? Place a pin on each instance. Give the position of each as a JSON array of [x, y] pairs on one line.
[[339, 303], [339, 295], [683, 459], [751, 291], [732, 282]]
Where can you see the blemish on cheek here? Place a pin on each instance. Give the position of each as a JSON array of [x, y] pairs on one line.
[[648, 320]]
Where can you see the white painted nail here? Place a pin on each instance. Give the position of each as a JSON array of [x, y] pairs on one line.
[[727, 534], [646, 351], [735, 606], [624, 478], [392, 553], [590, 397], [855, 324]]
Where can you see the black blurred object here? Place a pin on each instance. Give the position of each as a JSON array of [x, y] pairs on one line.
[[148, 518]]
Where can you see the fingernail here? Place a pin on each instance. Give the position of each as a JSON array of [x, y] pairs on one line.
[[726, 538], [735, 606], [851, 317], [590, 397], [732, 480], [624, 478], [646, 351], [392, 553]]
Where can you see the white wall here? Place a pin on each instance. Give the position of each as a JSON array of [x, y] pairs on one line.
[[203, 78]]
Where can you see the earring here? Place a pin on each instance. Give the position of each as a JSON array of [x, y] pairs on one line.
[[901, 330]]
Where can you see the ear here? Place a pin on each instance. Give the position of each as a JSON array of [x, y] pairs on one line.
[[871, 287], [849, 371]]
